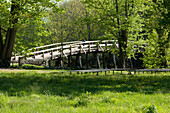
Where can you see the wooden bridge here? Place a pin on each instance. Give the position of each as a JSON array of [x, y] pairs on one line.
[[62, 53]]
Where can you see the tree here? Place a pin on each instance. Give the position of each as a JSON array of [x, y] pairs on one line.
[[158, 26], [66, 26], [156, 56], [74, 24], [15, 13], [121, 20]]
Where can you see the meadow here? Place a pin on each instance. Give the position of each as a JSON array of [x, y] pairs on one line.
[[41, 91]]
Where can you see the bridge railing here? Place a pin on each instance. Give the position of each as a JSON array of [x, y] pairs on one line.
[[67, 45]]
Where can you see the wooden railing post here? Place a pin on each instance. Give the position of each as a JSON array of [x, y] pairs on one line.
[[34, 55], [106, 46], [89, 47], [80, 51], [103, 60], [43, 55], [98, 47], [70, 50], [15, 57], [52, 54]]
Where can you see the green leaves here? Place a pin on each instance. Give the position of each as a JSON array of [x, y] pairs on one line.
[[156, 53]]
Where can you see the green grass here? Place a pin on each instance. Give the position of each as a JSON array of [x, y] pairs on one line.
[[51, 92]]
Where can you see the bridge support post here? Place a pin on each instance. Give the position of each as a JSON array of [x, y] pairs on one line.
[[80, 62], [97, 56], [69, 57], [93, 60], [61, 62], [49, 63], [86, 60], [21, 61], [103, 54], [98, 60], [76, 61], [114, 60], [69, 61], [61, 55]]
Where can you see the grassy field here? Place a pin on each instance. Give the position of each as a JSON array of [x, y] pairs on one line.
[[33, 91]]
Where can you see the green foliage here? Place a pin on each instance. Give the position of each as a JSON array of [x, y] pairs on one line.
[[26, 9], [30, 66], [156, 45], [32, 35], [121, 20], [157, 26], [27, 66]]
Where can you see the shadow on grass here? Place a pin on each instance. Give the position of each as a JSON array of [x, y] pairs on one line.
[[21, 84]]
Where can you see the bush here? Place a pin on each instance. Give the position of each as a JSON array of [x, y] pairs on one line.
[[30, 66]]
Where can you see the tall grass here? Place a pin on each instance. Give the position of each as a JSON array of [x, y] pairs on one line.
[[32, 92]]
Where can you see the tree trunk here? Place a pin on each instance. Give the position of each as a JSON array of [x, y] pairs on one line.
[[122, 48], [5, 56], [7, 47], [122, 38]]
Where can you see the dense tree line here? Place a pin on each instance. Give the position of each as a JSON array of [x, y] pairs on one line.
[[129, 22]]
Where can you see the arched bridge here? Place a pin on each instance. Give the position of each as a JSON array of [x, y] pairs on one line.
[[62, 51]]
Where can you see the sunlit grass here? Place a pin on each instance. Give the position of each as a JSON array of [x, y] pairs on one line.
[[34, 91]]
